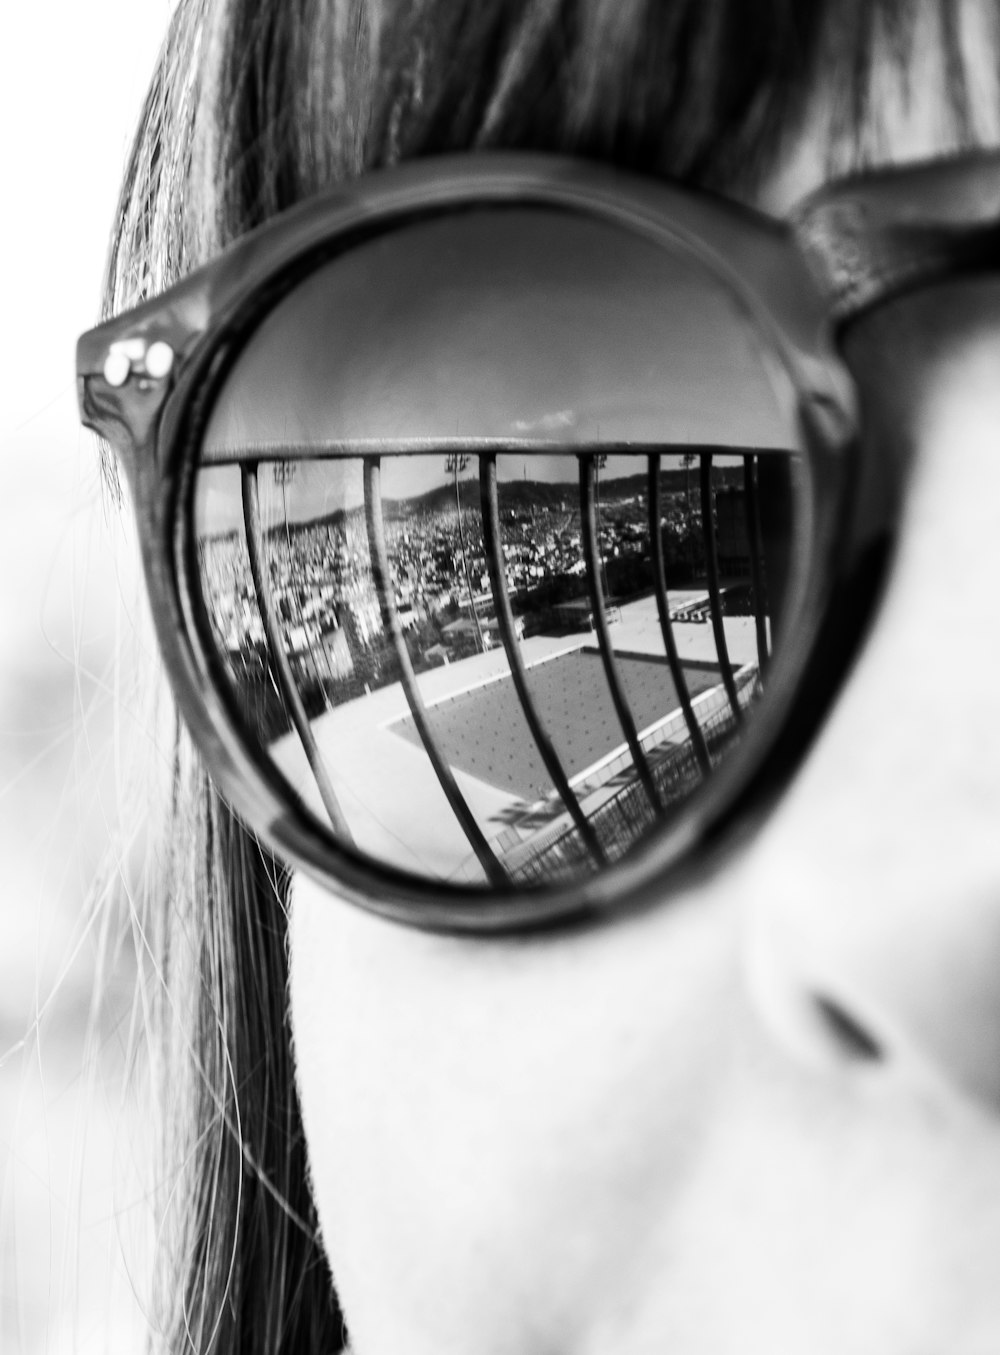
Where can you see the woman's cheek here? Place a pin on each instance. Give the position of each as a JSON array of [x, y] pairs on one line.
[[500, 1131]]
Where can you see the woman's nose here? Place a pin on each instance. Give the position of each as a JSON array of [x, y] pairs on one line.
[[874, 937]]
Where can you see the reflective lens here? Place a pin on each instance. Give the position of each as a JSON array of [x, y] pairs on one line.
[[497, 517]]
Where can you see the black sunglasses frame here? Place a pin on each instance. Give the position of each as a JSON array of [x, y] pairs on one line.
[[148, 380]]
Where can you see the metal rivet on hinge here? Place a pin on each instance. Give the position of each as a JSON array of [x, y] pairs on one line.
[[159, 359], [128, 356], [117, 366]]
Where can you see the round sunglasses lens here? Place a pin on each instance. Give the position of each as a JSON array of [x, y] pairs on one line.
[[498, 519]]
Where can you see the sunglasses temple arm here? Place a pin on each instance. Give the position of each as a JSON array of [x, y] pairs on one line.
[[286, 680]]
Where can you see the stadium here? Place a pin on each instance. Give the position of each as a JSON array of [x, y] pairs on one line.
[[391, 796]]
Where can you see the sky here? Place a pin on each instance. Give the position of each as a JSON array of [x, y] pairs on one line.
[[72, 76], [508, 324], [71, 83], [527, 327]]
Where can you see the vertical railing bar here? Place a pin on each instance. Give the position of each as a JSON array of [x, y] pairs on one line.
[[666, 625], [715, 596], [592, 554], [286, 679], [489, 496], [495, 872], [756, 543]]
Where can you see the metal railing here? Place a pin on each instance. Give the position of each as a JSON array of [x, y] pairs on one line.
[[655, 773]]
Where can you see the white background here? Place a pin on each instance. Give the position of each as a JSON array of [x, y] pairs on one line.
[[72, 77]]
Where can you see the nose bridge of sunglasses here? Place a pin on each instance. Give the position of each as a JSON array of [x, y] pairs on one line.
[[873, 238]]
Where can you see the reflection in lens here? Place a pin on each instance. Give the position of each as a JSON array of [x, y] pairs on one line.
[[479, 700], [497, 518]]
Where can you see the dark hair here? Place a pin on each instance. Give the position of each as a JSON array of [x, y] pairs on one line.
[[255, 105]]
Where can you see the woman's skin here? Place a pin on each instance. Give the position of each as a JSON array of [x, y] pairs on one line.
[[651, 1135]]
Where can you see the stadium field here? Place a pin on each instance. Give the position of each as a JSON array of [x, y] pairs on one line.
[[482, 731]]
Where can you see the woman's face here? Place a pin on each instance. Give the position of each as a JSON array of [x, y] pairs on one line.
[[766, 1115]]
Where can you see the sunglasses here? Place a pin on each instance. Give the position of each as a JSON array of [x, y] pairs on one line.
[[506, 521]]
